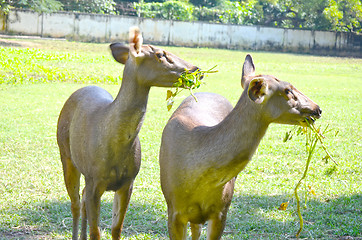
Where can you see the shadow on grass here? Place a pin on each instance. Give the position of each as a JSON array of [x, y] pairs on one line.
[[258, 217], [250, 217], [53, 220]]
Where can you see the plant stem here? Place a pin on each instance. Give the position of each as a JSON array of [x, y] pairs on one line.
[[319, 136], [310, 153]]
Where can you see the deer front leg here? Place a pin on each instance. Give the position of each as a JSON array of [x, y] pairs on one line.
[[176, 228], [218, 221], [93, 195], [216, 227], [195, 231], [120, 205]]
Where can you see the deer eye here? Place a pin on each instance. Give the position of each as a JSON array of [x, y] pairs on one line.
[[159, 54], [289, 94], [287, 91]]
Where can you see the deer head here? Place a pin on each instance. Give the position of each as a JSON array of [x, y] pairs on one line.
[[281, 101], [155, 66]]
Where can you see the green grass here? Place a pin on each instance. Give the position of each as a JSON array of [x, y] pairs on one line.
[[36, 81]]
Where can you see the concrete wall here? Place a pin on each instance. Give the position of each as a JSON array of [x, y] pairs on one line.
[[108, 28]]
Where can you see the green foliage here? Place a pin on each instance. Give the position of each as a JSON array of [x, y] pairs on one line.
[[205, 14], [4, 6], [344, 15], [89, 6], [239, 13], [328, 15], [19, 66], [331, 15], [228, 12], [292, 14], [172, 10], [35, 5], [206, 3], [177, 10], [187, 80]]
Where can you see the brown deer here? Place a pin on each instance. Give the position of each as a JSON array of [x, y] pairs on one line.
[[98, 136], [207, 143]]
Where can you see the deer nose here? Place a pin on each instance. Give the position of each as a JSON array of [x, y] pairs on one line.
[[318, 112]]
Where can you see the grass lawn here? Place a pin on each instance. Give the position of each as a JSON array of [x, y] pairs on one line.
[[37, 76]]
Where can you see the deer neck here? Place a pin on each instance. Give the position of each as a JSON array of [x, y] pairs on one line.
[[126, 113], [232, 142]]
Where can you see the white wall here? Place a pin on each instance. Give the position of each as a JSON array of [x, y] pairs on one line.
[[108, 28]]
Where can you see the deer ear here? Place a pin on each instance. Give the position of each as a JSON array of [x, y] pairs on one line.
[[258, 90], [248, 70], [119, 52], [135, 41]]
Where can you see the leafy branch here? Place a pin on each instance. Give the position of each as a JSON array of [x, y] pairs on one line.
[[187, 80], [312, 136]]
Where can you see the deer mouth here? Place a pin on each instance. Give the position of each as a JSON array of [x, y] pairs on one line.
[[316, 114], [190, 79], [308, 120]]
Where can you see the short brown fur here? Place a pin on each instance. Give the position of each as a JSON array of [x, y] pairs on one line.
[[98, 136], [207, 143]]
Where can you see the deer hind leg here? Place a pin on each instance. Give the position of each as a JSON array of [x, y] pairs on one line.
[[176, 227], [83, 231], [120, 204], [72, 180], [195, 231]]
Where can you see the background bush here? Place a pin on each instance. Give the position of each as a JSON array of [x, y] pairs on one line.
[[329, 15], [172, 10]]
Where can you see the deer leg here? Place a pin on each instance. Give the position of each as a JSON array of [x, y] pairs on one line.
[[83, 231], [176, 228], [93, 195], [195, 231], [120, 205], [218, 221], [72, 180], [216, 227]]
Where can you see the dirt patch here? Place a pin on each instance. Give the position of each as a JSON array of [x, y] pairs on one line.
[[15, 43], [24, 233]]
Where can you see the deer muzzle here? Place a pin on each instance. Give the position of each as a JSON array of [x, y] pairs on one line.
[[316, 114]]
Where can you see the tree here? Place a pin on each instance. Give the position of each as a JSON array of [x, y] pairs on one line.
[[172, 10], [36, 5], [306, 14], [344, 15], [206, 3], [89, 6]]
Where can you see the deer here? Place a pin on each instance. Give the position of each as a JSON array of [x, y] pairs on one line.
[[98, 135], [208, 142]]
